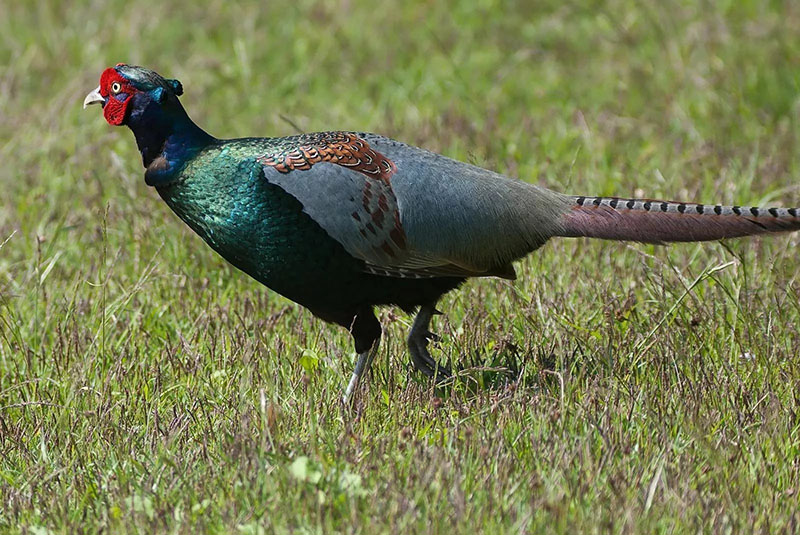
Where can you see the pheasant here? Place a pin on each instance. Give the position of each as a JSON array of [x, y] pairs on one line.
[[341, 222]]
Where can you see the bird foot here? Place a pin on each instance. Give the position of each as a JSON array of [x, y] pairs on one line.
[[425, 363], [418, 339]]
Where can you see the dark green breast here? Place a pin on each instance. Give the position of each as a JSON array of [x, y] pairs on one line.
[[256, 226]]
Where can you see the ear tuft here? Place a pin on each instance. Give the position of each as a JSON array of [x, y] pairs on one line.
[[176, 86]]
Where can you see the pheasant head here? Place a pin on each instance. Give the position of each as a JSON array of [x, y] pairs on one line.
[[148, 104], [128, 90]]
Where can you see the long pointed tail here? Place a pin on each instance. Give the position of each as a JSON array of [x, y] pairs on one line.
[[652, 221]]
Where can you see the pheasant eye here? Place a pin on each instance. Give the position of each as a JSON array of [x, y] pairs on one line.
[[115, 87]]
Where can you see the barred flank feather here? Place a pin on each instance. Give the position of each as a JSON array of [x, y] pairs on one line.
[[653, 221]]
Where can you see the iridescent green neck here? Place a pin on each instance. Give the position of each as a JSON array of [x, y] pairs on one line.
[[166, 136]]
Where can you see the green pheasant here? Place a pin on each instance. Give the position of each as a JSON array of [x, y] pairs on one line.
[[341, 222]]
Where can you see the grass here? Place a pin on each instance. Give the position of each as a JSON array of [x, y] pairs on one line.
[[147, 386]]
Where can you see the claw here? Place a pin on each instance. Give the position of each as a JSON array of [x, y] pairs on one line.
[[432, 337]]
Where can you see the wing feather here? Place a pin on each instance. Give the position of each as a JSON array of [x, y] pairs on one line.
[[407, 212]]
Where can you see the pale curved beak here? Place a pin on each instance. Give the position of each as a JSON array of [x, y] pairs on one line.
[[93, 98]]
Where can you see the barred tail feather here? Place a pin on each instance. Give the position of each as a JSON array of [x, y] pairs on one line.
[[653, 221]]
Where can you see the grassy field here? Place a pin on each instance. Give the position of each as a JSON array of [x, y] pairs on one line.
[[148, 387]]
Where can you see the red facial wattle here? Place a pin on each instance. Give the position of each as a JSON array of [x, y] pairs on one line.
[[118, 92]]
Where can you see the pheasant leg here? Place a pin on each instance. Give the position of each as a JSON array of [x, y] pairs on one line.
[[362, 365]]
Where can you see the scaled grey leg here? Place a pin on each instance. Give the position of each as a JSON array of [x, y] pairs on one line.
[[418, 339], [362, 365]]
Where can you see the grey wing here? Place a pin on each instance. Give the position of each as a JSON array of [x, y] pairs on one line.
[[362, 214], [425, 215], [470, 216]]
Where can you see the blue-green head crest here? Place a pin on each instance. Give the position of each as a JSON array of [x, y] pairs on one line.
[[149, 81]]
